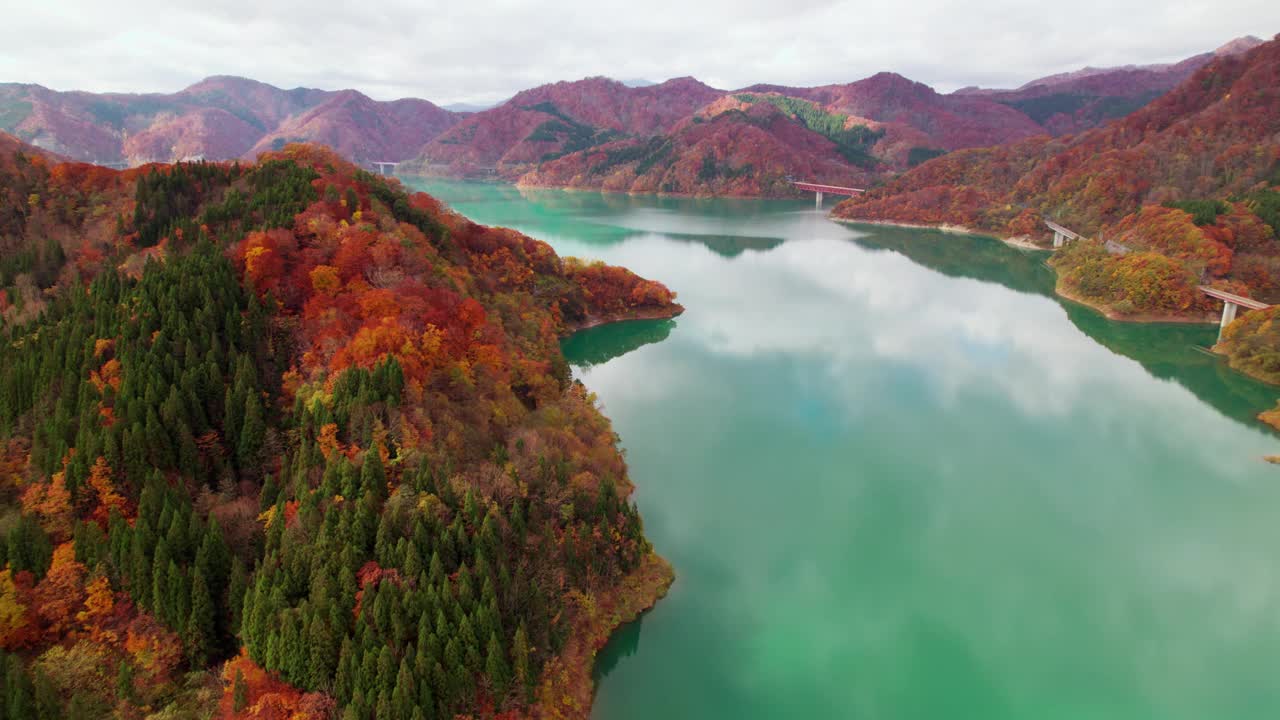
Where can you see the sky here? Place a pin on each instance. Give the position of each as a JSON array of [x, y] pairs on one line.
[[483, 52]]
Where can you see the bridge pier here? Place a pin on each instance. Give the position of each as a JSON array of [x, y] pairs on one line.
[[1059, 239], [820, 191], [1231, 303], [1228, 315]]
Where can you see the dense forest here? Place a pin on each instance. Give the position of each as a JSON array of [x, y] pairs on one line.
[[1252, 345], [1183, 192], [283, 441]]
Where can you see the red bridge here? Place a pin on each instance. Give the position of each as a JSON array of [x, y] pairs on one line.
[[820, 189]]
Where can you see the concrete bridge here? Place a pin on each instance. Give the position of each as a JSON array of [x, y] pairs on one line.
[[819, 188], [384, 167], [1061, 235], [1230, 303]]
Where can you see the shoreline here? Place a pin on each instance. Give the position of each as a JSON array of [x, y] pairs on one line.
[[498, 180], [1022, 243], [1145, 318], [1274, 419], [667, 313], [566, 690], [1058, 289]]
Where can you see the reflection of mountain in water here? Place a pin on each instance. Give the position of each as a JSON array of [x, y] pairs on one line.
[[967, 256], [601, 344], [1176, 352], [623, 643], [610, 218], [1167, 351], [593, 202], [728, 245]]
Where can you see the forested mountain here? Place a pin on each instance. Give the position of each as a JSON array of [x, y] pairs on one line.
[[281, 440], [1185, 190], [750, 141], [219, 118], [599, 133], [1076, 101], [558, 119], [679, 136]]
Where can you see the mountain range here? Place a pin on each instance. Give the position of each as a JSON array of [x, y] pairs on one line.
[[679, 136], [219, 118], [1179, 194]]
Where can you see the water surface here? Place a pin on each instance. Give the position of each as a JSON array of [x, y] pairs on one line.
[[899, 479]]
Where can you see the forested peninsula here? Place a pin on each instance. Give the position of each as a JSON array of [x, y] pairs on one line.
[[281, 439]]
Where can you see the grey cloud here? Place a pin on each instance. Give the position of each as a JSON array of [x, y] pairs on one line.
[[486, 51]]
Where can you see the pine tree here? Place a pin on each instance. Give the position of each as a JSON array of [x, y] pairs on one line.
[[496, 667], [160, 601], [252, 432], [239, 693], [293, 656], [343, 682], [373, 476], [382, 711], [237, 587], [520, 661], [320, 666], [124, 682], [386, 677], [199, 636], [403, 695]]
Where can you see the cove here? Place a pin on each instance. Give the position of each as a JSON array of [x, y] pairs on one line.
[[898, 478]]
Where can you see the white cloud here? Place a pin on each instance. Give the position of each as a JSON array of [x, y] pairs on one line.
[[449, 52]]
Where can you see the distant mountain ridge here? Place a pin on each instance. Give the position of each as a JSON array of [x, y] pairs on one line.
[[679, 136], [1074, 101], [1180, 194], [753, 140], [218, 118], [1215, 136]]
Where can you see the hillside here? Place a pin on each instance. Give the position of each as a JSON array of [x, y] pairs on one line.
[[218, 118], [281, 438], [361, 128], [729, 148], [915, 117], [686, 138], [1208, 151], [1076, 101], [554, 134], [555, 120], [599, 133]]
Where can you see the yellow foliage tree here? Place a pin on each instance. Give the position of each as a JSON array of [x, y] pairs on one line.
[[13, 614]]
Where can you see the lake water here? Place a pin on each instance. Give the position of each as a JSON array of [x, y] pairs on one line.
[[898, 479]]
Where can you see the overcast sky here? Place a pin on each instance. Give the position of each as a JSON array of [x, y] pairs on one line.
[[483, 51]]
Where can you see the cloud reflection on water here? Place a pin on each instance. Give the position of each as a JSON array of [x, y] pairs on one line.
[[896, 492]]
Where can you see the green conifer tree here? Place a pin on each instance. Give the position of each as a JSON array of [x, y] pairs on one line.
[[403, 694], [495, 667], [252, 432], [199, 637], [522, 671], [239, 693], [124, 682]]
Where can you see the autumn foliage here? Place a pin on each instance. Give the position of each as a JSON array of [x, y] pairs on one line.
[[1252, 344], [1210, 139], [289, 438]]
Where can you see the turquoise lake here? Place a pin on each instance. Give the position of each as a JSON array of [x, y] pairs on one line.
[[898, 479]]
